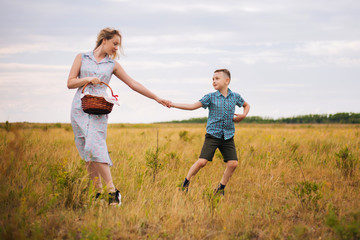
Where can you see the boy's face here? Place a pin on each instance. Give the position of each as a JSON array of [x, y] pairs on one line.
[[220, 80]]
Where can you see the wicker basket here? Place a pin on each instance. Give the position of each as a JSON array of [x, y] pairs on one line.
[[94, 104]]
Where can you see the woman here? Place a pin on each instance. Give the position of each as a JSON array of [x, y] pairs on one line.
[[90, 130]]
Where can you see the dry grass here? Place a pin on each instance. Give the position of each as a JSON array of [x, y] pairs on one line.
[[45, 192]]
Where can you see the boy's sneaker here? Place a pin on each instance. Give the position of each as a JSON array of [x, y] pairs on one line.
[[185, 186], [115, 198], [185, 189], [219, 191]]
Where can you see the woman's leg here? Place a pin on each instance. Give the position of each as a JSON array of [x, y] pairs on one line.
[[104, 170], [94, 175]]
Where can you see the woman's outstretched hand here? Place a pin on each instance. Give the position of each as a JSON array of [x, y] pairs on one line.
[[163, 102]]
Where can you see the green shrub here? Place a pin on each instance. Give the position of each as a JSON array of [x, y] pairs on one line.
[[347, 228], [153, 162], [308, 193], [7, 126], [346, 162], [213, 200], [184, 135]]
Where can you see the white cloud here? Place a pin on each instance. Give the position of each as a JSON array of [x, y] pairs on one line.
[[203, 6], [263, 56], [346, 62], [143, 65], [47, 43], [329, 48], [33, 67], [199, 37]]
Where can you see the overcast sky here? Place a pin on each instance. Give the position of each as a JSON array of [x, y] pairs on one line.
[[286, 57]]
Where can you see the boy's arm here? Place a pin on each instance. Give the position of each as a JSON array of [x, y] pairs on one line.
[[185, 106], [239, 117]]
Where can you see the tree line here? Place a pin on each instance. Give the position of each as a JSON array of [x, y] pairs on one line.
[[344, 118]]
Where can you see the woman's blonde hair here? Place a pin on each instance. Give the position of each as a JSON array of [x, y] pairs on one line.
[[108, 33]]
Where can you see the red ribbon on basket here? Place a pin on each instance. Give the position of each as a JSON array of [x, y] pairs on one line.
[[115, 96]]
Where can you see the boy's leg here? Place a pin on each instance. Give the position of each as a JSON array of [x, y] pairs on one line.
[[207, 153], [230, 168], [200, 163], [228, 151]]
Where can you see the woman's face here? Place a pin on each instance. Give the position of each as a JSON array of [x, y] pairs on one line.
[[111, 46]]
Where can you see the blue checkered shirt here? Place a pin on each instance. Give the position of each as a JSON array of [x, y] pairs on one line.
[[221, 112]]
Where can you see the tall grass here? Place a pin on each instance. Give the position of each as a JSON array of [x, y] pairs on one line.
[[288, 184]]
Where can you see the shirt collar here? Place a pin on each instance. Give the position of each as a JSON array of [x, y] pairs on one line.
[[218, 93], [104, 60]]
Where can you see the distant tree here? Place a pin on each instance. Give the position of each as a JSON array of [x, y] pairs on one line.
[[344, 118]]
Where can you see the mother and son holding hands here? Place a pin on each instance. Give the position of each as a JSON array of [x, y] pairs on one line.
[[90, 130]]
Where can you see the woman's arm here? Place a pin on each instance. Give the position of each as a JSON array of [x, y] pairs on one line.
[[120, 73], [240, 117], [74, 81], [185, 106]]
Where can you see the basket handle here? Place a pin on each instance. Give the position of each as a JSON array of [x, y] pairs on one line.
[[112, 93]]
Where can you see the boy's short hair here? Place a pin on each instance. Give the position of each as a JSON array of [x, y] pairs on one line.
[[224, 70]]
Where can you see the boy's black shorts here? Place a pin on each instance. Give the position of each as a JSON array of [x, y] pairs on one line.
[[226, 147]]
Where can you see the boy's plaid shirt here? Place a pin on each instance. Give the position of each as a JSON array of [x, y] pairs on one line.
[[221, 112]]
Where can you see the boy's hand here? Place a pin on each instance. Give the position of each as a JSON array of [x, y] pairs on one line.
[[174, 105], [238, 117], [164, 102]]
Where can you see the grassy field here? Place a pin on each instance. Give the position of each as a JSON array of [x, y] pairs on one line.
[[292, 182]]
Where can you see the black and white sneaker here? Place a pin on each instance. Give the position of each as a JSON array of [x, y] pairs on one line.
[[115, 198], [97, 196]]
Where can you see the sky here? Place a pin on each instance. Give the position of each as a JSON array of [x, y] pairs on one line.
[[286, 57]]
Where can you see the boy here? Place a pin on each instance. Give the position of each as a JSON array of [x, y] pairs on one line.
[[220, 127]]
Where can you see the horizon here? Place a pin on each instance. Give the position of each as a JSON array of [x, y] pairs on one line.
[[174, 121]]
